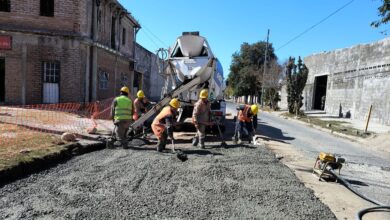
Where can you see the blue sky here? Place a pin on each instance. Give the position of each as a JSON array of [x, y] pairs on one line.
[[228, 23]]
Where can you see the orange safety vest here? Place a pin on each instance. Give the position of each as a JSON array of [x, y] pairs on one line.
[[243, 114], [157, 126]]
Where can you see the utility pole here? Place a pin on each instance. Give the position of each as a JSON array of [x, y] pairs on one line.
[[265, 68]]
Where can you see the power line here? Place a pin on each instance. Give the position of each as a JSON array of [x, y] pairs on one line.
[[315, 25], [155, 36], [151, 39]]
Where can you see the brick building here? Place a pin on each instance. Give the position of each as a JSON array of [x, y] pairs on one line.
[[65, 50]]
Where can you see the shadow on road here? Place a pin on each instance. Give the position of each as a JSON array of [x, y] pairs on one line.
[[356, 182], [273, 133]]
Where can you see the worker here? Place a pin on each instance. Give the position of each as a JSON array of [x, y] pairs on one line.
[[140, 105], [246, 122], [162, 125], [122, 111], [201, 118]]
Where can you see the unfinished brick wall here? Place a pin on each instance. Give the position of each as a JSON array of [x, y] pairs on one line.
[[39, 49], [116, 67], [66, 38], [106, 12], [69, 16]]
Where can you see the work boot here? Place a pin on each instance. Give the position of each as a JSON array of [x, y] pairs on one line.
[[195, 141], [234, 140], [201, 143], [125, 145], [237, 138], [250, 139], [160, 146], [117, 144]]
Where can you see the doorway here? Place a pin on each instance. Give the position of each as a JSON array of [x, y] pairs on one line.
[[2, 80], [320, 92], [51, 82]]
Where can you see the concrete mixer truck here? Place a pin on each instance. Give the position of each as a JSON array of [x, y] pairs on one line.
[[188, 67]]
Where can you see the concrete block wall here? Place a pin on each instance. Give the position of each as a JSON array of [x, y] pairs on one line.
[[146, 64], [358, 77], [283, 105]]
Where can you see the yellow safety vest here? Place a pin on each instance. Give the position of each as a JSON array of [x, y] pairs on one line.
[[123, 108]]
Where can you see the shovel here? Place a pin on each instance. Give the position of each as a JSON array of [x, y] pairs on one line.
[[223, 143], [179, 154]]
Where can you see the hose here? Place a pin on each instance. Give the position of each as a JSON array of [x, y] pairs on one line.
[[379, 208]]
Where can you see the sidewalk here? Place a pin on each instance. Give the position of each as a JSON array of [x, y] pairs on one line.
[[354, 123]]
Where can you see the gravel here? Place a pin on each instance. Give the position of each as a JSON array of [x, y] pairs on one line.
[[238, 182]]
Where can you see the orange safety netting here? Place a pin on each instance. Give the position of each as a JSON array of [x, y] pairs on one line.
[[78, 118]]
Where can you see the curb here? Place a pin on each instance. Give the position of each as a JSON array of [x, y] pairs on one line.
[[39, 164]]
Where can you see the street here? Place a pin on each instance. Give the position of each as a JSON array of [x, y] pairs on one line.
[[367, 170], [240, 182]]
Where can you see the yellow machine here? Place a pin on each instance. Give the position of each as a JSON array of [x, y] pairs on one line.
[[326, 162]]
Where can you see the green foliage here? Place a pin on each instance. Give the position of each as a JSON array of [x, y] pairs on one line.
[[383, 13], [271, 98], [296, 80], [246, 68]]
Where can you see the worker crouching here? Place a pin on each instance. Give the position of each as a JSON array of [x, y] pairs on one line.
[[162, 125], [122, 110], [246, 123], [201, 118]]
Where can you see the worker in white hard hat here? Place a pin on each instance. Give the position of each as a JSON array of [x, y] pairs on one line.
[[201, 118], [162, 125], [140, 105], [122, 111], [246, 122]]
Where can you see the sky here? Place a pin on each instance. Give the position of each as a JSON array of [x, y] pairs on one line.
[[228, 23]]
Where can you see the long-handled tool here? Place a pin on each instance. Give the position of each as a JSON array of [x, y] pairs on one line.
[[173, 145], [179, 154], [223, 143]]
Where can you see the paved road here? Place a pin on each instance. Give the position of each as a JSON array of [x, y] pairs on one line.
[[367, 170]]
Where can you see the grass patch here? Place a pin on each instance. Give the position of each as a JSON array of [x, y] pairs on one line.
[[20, 145], [336, 126]]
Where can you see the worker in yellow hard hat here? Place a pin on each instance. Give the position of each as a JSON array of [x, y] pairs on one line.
[[201, 118], [162, 125], [246, 122], [122, 111], [140, 104]]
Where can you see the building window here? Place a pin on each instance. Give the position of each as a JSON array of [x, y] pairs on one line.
[[113, 34], [124, 79], [124, 36], [51, 72], [47, 8], [5, 5], [103, 80]]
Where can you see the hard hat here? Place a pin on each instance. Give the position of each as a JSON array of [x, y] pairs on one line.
[[254, 109], [125, 89], [204, 94], [174, 103], [140, 94]]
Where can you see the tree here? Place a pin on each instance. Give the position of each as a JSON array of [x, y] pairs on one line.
[[384, 14], [245, 77], [272, 84], [296, 81]]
